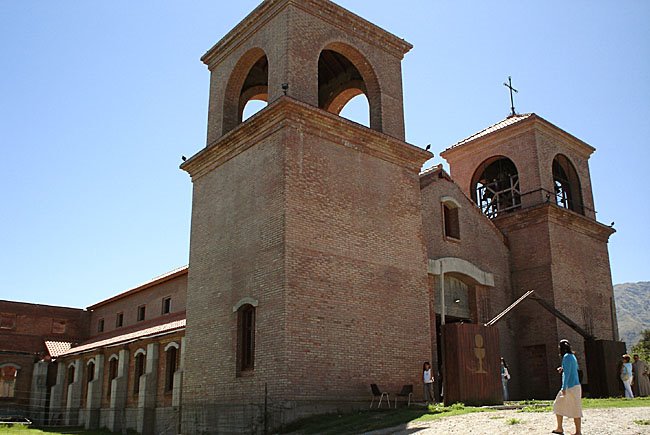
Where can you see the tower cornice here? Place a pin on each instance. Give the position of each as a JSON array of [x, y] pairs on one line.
[[556, 215], [287, 112], [326, 10]]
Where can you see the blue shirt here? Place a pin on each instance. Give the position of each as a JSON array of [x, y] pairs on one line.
[[627, 370], [569, 371]]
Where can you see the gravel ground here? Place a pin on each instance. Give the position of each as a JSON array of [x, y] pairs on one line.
[[594, 422]]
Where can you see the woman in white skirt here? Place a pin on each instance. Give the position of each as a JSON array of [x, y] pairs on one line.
[[568, 402]]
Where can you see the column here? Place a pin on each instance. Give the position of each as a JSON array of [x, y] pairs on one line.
[[178, 386], [38, 396], [56, 396]]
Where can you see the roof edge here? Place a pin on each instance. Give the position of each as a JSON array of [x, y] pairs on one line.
[[269, 8], [157, 280]]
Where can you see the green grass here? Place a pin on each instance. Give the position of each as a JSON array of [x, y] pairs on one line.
[[513, 421], [642, 422], [547, 405], [615, 403]]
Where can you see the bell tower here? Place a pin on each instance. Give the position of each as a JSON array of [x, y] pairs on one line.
[[308, 270], [532, 179], [312, 51]]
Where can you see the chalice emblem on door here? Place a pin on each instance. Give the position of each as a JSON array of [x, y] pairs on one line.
[[479, 352]]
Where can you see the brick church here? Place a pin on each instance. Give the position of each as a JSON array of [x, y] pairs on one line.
[[322, 257]]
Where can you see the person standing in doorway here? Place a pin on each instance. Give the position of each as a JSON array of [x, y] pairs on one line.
[[641, 381], [505, 377], [626, 376], [568, 402], [427, 379]]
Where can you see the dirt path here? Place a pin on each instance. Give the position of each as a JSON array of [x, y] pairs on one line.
[[595, 422]]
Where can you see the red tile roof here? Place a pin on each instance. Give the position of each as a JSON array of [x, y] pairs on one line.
[[56, 348], [498, 126], [164, 328]]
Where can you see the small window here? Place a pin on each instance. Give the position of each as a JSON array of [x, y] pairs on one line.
[[167, 305], [119, 320], [7, 321], [246, 338], [138, 371], [171, 366], [58, 326], [141, 311], [8, 374], [450, 220], [100, 325]]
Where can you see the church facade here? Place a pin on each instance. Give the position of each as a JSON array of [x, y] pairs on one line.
[[323, 259]]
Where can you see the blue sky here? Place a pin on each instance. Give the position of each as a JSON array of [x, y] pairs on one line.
[[98, 101]]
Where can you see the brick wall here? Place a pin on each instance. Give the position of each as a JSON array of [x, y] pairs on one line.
[[237, 251], [320, 223], [52, 322], [151, 297], [356, 268]]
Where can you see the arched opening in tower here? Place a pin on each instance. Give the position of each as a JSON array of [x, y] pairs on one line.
[[567, 185], [254, 95], [495, 187], [341, 88]]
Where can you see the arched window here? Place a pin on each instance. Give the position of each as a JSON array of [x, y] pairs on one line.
[[567, 185], [8, 375], [341, 83], [245, 339], [495, 187], [112, 372], [138, 370], [171, 365], [90, 371], [71, 374]]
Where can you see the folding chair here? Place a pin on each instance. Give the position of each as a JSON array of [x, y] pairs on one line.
[[407, 391], [376, 392]]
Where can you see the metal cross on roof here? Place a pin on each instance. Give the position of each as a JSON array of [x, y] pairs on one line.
[[512, 103]]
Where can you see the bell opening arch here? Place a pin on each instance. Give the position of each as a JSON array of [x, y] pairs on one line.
[[495, 186], [248, 82], [345, 74], [566, 184]]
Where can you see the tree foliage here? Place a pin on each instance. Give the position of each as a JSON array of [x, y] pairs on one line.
[[643, 346]]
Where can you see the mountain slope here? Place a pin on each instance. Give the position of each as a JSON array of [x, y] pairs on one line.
[[632, 310]]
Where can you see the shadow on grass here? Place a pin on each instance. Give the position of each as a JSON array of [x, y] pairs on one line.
[[370, 420], [70, 431]]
